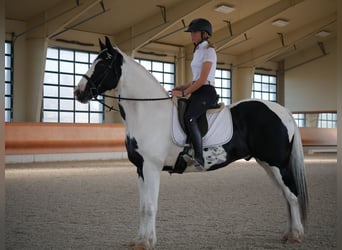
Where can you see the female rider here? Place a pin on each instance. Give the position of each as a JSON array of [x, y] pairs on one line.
[[202, 90]]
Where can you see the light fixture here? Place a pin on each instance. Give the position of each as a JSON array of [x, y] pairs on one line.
[[224, 8], [280, 22], [323, 33]]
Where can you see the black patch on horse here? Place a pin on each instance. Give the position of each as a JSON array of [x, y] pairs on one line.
[[264, 135], [107, 72], [134, 156]]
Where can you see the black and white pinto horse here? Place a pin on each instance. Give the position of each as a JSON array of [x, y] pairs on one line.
[[263, 130]]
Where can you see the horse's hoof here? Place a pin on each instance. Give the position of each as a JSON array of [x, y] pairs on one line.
[[137, 246], [140, 248], [131, 244], [291, 239]]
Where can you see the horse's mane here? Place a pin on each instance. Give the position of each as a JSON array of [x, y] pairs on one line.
[[129, 62]]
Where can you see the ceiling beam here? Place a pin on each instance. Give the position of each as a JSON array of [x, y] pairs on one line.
[[60, 24], [152, 27], [223, 37], [292, 41]]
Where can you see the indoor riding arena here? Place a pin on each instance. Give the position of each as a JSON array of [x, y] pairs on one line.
[[80, 170]]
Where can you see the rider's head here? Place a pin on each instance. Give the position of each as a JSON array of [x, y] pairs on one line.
[[201, 25]]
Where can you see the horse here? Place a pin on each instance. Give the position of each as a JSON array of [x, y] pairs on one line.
[[262, 130]]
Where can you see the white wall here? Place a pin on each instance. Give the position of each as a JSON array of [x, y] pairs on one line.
[[311, 86]]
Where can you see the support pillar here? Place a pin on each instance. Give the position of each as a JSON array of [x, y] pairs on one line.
[[242, 83], [36, 48], [339, 122], [2, 126]]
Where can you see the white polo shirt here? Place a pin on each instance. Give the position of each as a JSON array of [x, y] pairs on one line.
[[202, 54]]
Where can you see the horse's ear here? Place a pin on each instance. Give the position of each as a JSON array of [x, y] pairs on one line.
[[110, 47], [102, 46], [108, 43]]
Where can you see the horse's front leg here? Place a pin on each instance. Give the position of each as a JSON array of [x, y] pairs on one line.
[[149, 189]]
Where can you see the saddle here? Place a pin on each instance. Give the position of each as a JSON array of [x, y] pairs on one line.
[[215, 126], [202, 121]]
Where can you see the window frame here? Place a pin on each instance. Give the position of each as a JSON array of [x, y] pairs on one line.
[[63, 70], [9, 58], [220, 89], [160, 75], [316, 119], [300, 119], [327, 120], [261, 89]]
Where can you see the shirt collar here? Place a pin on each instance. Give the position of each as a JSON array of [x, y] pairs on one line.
[[203, 44]]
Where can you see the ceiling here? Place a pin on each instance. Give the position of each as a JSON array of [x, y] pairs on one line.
[[247, 32]]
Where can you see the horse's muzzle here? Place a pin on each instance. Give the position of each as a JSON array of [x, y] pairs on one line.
[[82, 96]]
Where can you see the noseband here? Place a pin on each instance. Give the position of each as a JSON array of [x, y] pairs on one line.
[[93, 88]]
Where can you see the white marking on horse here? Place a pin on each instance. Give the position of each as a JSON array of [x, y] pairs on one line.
[[83, 82], [295, 227]]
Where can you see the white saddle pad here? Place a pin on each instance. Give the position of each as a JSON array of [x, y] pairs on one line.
[[220, 129]]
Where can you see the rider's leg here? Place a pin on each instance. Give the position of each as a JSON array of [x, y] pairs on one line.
[[198, 104], [196, 139]]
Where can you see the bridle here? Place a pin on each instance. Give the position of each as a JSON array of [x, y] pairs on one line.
[[94, 90]]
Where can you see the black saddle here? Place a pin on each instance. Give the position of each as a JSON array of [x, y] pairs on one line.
[[202, 120]]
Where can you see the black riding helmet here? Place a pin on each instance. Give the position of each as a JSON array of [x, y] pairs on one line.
[[200, 24]]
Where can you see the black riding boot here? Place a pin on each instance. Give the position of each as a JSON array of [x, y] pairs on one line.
[[196, 139]]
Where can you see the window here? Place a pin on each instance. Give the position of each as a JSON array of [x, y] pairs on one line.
[[163, 71], [327, 120], [300, 119], [316, 119], [265, 87], [8, 82], [223, 85], [63, 70]]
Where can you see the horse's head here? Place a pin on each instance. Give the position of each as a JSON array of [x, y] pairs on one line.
[[104, 74]]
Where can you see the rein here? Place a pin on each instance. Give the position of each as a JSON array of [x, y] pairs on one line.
[[138, 99], [130, 99]]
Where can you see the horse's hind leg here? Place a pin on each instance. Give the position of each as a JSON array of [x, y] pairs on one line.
[[284, 180], [295, 230]]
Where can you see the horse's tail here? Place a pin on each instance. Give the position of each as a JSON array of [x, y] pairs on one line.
[[297, 167]]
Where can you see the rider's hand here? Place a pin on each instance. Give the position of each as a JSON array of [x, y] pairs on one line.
[[177, 92]]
